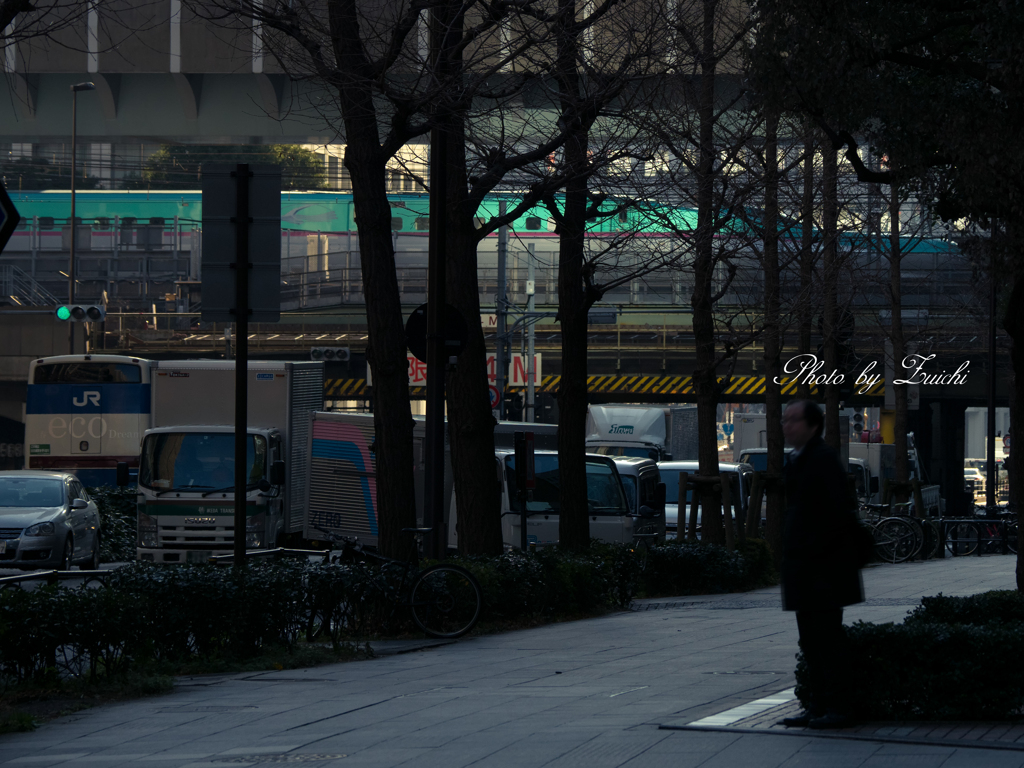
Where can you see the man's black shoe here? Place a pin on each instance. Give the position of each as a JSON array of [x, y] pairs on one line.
[[830, 720], [797, 721]]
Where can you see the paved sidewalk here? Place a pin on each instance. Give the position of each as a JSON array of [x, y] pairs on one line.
[[597, 693]]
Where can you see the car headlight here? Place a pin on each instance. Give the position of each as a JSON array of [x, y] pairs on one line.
[[147, 535], [41, 529]]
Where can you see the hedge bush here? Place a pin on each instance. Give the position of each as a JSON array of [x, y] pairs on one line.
[[951, 659], [117, 522], [174, 615]]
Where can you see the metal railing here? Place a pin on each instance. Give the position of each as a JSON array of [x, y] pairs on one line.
[[18, 287]]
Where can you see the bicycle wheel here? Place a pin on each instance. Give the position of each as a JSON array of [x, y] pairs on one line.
[[445, 601], [1011, 537], [895, 540], [962, 539], [932, 538]]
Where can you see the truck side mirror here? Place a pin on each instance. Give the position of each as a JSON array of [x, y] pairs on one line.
[[874, 485], [659, 497], [277, 474], [122, 473]]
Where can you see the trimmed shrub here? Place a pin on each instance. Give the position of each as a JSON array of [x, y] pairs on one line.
[[984, 608], [922, 671]]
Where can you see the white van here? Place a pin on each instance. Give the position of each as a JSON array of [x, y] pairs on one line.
[[641, 480], [609, 511]]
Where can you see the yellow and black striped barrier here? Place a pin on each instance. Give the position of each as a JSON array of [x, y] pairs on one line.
[[741, 386]]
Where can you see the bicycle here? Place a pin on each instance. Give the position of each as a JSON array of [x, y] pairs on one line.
[[896, 538], [444, 600], [965, 537]]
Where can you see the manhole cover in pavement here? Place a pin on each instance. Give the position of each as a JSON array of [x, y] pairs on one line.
[[279, 759]]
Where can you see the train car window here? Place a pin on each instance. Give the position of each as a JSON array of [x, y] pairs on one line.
[[396, 223], [422, 223], [87, 373], [533, 222], [46, 222], [102, 222]]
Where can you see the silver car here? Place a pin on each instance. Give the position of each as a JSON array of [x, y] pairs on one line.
[[47, 520]]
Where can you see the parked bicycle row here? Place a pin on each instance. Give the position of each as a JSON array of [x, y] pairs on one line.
[[900, 537]]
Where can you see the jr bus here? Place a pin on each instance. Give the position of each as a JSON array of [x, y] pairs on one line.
[[85, 413]]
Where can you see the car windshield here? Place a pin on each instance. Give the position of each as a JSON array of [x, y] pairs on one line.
[[604, 491], [31, 492], [176, 460]]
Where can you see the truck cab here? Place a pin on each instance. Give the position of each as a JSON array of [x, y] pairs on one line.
[[186, 483], [186, 486]]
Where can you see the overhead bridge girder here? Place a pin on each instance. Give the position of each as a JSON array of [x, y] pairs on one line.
[[638, 387]]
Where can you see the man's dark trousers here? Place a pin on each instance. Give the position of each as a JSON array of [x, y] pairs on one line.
[[823, 642]]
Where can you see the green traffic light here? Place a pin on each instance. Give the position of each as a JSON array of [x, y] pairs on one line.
[[63, 313]]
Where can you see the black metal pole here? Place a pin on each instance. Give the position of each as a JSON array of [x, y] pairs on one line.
[[242, 267], [74, 229], [990, 481], [433, 488], [433, 482]]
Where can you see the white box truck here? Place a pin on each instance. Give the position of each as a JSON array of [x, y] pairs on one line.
[[186, 468], [749, 430], [653, 432], [342, 470]]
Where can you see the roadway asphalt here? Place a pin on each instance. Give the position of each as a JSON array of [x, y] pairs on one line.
[[599, 693]]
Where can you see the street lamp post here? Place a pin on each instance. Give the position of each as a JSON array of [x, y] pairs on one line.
[[74, 228]]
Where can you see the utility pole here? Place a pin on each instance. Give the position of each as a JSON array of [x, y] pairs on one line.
[[433, 445], [500, 302], [531, 290]]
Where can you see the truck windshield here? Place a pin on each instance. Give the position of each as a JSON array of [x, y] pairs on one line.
[[604, 491], [184, 460], [625, 450]]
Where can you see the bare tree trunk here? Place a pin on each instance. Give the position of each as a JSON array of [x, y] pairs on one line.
[[573, 295], [470, 421], [804, 314], [772, 335], [898, 343], [386, 348], [704, 376], [830, 224]]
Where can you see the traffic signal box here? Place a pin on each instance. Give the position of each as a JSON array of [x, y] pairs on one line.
[[81, 313]]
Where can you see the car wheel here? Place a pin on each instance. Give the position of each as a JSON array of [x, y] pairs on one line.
[[69, 553], [93, 563]]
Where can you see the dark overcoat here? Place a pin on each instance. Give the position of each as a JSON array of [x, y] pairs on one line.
[[819, 562]]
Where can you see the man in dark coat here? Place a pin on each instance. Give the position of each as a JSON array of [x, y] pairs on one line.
[[820, 571]]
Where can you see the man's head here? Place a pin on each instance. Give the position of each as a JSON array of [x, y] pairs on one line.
[[801, 422]]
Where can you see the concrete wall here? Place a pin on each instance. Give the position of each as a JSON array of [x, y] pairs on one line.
[[23, 338]]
